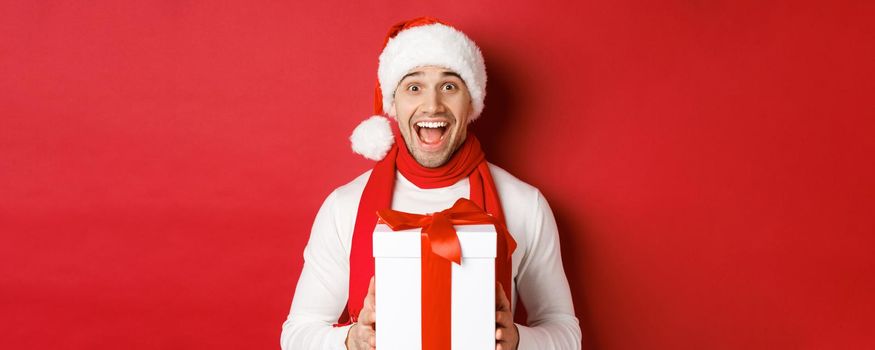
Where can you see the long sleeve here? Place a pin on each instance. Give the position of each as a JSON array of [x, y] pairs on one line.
[[322, 289], [540, 282], [544, 289]]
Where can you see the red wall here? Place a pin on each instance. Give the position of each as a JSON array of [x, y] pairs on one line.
[[710, 163]]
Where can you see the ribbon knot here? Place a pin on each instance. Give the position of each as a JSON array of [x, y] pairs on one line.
[[439, 228]]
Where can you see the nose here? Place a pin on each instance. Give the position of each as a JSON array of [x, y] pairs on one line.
[[433, 103]]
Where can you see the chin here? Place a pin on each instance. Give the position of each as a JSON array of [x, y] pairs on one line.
[[431, 160]]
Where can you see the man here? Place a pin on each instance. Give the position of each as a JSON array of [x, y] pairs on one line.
[[432, 81]]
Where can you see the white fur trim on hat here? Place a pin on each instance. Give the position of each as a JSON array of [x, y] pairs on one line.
[[372, 138], [433, 44]]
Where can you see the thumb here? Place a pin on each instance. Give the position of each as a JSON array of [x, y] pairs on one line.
[[501, 302], [372, 293]]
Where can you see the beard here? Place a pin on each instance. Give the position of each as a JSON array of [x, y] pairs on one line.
[[433, 159], [430, 159]]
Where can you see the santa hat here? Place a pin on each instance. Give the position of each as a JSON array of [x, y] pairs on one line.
[[418, 42]]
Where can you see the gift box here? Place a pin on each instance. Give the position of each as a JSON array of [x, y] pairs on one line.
[[399, 289]]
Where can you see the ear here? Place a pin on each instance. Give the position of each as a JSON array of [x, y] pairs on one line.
[[392, 110]]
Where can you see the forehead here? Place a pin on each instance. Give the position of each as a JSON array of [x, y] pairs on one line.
[[420, 72]]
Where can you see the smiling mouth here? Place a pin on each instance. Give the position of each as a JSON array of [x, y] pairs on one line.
[[431, 133]]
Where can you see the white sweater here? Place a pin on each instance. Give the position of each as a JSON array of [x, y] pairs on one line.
[[538, 276]]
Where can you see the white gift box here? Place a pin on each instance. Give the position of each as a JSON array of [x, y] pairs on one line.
[[398, 289]]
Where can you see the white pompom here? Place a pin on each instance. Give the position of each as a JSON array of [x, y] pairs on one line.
[[372, 138]]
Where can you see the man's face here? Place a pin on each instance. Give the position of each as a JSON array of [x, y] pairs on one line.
[[432, 105]]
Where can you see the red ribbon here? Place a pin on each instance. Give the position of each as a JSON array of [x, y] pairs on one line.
[[440, 248]]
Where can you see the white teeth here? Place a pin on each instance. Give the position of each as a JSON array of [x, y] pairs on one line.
[[431, 124]]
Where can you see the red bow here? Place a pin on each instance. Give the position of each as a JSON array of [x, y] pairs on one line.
[[439, 227]]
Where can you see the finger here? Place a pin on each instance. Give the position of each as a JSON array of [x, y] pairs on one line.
[[501, 302], [501, 319]]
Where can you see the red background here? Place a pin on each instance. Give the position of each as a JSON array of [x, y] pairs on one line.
[[710, 163]]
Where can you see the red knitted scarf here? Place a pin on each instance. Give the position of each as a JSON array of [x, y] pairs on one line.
[[468, 161]]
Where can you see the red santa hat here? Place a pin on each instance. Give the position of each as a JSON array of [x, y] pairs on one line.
[[422, 41]]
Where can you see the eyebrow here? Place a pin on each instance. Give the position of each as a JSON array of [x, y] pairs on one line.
[[411, 75], [451, 74], [419, 73]]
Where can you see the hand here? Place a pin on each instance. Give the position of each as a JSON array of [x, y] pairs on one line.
[[507, 336], [363, 335]]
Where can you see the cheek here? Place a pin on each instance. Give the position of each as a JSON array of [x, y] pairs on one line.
[[404, 108], [461, 108]]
